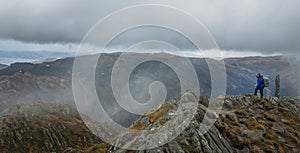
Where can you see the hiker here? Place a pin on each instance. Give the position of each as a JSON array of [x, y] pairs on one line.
[[260, 85]]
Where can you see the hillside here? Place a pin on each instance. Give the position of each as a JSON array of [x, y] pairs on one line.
[[245, 124]]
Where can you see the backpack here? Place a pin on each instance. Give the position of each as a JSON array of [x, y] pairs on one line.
[[266, 81]]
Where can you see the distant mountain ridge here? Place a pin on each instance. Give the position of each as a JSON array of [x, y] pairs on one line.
[[33, 54], [240, 71]]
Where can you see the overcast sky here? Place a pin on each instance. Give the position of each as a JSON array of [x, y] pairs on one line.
[[265, 26]]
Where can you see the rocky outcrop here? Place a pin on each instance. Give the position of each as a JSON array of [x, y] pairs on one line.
[[245, 124], [191, 139]]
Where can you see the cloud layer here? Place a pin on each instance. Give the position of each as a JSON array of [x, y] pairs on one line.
[[267, 26]]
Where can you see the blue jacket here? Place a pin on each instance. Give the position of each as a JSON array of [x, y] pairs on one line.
[[260, 83]]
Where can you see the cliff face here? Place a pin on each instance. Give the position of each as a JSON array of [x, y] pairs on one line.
[[246, 124]]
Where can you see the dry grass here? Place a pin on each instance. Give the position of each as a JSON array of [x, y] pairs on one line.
[[253, 124]]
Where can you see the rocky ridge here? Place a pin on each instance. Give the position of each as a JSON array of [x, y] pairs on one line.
[[246, 124]]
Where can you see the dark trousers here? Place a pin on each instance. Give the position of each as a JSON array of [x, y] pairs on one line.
[[261, 90]]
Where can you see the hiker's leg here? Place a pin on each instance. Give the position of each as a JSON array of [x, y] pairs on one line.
[[255, 93], [261, 92]]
